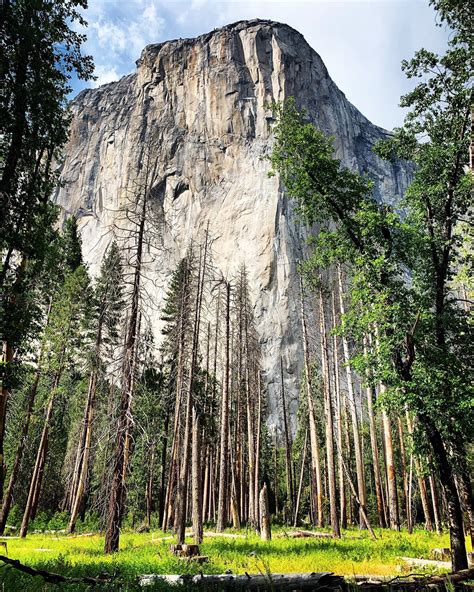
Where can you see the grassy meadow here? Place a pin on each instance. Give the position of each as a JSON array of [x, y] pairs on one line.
[[145, 553]]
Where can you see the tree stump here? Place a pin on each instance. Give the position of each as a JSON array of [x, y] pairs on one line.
[[265, 529], [441, 554], [185, 550]]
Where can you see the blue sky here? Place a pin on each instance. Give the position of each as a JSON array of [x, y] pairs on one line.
[[361, 42]]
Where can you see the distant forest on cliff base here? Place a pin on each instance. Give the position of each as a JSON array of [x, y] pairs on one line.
[[126, 452]]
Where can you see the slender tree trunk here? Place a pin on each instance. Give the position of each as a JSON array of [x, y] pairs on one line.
[[251, 453], [224, 432], [116, 496], [463, 481], [191, 442], [82, 462], [265, 529], [288, 467], [300, 486], [391, 474], [435, 503], [362, 509], [340, 447], [375, 450], [353, 411], [149, 484], [33, 492], [404, 470], [8, 498], [163, 469], [196, 480], [4, 394], [257, 446], [423, 496], [331, 465], [313, 435], [206, 486]]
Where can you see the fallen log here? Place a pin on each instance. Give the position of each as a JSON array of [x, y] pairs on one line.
[[325, 581], [427, 562], [427, 583], [54, 578], [299, 534]]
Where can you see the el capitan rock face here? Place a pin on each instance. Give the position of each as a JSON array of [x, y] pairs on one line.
[[205, 99]]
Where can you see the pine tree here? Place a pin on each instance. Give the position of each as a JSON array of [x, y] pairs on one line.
[[41, 52], [107, 306]]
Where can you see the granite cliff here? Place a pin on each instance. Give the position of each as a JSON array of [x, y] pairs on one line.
[[206, 101]]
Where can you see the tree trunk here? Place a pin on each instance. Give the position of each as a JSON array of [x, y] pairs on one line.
[[257, 445], [33, 492], [191, 443], [196, 480], [163, 469], [288, 467], [8, 498], [149, 484], [224, 431], [391, 475], [116, 496], [353, 411], [421, 481], [331, 465], [265, 529], [313, 434], [404, 472], [85, 443], [340, 447], [300, 486], [435, 502], [374, 448]]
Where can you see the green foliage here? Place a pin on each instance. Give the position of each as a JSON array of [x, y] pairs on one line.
[[72, 244]]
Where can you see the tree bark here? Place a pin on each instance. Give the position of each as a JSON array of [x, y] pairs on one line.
[[116, 496], [313, 434], [300, 486], [288, 466], [265, 529], [224, 431], [33, 493], [340, 447], [394, 516], [331, 465], [353, 411]]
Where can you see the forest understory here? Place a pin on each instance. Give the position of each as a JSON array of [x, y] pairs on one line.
[[238, 552]]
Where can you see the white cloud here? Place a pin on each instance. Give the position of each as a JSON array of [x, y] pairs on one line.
[[118, 32], [105, 75], [362, 42]]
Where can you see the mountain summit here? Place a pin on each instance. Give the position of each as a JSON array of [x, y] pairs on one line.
[[202, 106]]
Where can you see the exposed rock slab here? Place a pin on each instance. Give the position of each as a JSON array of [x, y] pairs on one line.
[[206, 100]]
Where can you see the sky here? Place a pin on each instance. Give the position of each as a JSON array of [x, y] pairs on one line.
[[362, 42]]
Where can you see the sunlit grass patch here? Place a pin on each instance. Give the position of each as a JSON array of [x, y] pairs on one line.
[[142, 553]]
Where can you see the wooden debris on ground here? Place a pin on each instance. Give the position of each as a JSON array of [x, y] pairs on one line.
[[185, 550], [441, 554], [313, 581], [420, 583], [299, 534], [54, 578], [427, 562]]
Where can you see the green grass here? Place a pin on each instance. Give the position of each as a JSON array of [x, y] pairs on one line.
[[145, 553]]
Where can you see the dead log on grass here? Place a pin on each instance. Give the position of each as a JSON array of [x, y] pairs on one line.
[[326, 581], [54, 578]]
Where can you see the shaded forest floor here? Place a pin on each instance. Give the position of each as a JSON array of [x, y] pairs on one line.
[[146, 553]]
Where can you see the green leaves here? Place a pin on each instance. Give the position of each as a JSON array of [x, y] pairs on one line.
[[402, 264]]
